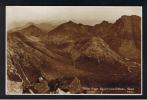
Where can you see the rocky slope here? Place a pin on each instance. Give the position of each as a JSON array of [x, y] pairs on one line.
[[123, 36]]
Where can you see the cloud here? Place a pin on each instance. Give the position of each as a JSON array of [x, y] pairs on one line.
[[82, 14]]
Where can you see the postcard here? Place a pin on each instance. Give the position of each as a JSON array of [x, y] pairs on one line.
[[73, 50]]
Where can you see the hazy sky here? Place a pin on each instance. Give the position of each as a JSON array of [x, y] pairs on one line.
[[81, 14]]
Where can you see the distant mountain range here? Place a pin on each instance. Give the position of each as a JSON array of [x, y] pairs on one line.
[[44, 26], [106, 54], [123, 36]]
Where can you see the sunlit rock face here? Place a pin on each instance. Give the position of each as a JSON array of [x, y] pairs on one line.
[[122, 36], [14, 87]]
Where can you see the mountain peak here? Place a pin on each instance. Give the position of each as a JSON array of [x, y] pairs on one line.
[[104, 22], [126, 18], [32, 30], [68, 24], [71, 23], [31, 27]]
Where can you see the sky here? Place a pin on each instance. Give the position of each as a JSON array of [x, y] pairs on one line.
[[89, 15]]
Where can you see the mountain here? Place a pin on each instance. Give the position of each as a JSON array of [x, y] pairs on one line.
[[32, 59], [123, 36], [96, 55], [102, 28], [72, 30], [32, 30], [46, 26], [19, 26]]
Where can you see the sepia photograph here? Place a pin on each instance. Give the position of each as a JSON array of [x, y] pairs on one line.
[[73, 50]]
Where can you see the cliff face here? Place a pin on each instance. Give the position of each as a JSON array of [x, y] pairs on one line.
[[97, 55], [124, 36]]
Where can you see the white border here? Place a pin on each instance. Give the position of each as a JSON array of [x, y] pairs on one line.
[[79, 94]]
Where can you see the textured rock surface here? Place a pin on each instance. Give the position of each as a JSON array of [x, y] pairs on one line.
[[14, 87], [126, 30], [102, 55]]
